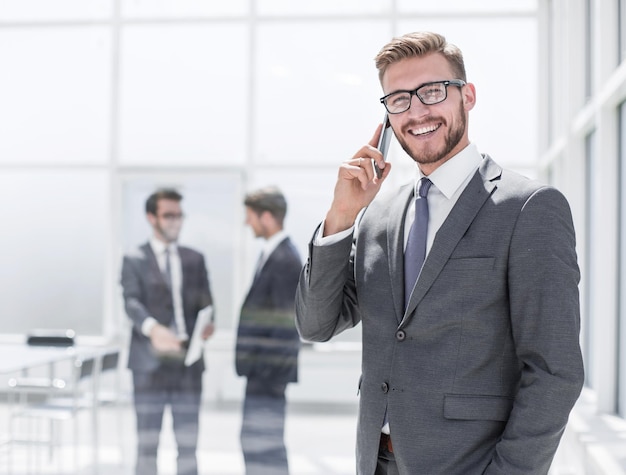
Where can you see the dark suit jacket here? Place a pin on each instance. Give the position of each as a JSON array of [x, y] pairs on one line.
[[267, 340], [478, 375], [147, 294]]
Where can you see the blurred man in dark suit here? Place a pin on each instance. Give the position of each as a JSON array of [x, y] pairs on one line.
[[267, 339], [165, 288]]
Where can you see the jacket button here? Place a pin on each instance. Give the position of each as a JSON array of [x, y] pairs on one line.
[[400, 335], [384, 387]]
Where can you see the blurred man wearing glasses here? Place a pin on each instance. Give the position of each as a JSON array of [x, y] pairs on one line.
[[165, 288], [465, 281]]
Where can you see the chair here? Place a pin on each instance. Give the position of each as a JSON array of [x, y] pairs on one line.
[[108, 399], [58, 400], [109, 364]]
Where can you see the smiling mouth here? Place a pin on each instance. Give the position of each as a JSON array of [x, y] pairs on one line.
[[424, 130]]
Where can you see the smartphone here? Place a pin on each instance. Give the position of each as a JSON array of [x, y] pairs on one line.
[[383, 142]]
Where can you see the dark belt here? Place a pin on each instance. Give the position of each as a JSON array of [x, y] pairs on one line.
[[385, 442]]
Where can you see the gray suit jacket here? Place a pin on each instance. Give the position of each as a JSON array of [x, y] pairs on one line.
[[147, 294], [479, 374]]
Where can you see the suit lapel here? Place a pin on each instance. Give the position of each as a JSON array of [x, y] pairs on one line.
[[454, 227], [184, 266], [267, 264], [395, 244], [258, 272], [153, 263]]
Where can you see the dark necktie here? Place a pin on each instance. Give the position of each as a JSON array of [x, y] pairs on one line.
[[415, 251], [168, 268], [167, 273]]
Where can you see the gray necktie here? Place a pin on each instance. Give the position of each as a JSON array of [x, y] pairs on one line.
[[168, 268], [167, 274], [415, 251]]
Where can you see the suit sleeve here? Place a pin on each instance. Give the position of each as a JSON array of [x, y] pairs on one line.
[[326, 302], [133, 293], [543, 281], [205, 297]]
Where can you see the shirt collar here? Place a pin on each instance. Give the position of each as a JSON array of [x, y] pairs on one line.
[[273, 242], [453, 173], [159, 247]]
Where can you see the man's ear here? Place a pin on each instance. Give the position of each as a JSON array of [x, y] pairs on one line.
[[266, 217], [469, 96], [152, 219], [268, 220]]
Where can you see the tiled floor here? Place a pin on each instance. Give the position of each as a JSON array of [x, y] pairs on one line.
[[317, 442], [320, 442]]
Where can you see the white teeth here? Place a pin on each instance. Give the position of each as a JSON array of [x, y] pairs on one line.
[[424, 130]]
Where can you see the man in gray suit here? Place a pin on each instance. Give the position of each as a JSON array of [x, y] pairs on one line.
[[165, 288], [474, 368], [267, 339]]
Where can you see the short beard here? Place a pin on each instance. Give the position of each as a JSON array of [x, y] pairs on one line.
[[170, 237], [452, 139]]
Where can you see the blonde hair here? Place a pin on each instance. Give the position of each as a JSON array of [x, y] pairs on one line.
[[420, 43]]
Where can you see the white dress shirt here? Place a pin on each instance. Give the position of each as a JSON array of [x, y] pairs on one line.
[[448, 182], [176, 270], [270, 246]]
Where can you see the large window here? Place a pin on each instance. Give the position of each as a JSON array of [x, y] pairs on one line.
[[54, 248], [621, 362], [589, 56], [621, 30], [103, 100], [588, 277]]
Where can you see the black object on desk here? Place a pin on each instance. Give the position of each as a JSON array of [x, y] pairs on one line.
[[51, 338]]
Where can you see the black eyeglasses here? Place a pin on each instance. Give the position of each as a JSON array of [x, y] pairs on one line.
[[172, 216], [429, 94]]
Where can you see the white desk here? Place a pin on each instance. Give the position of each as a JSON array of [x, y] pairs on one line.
[[15, 357], [22, 358]]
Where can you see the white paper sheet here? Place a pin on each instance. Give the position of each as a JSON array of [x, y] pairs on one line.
[[196, 344]]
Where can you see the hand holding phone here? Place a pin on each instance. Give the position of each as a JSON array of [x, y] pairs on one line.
[[383, 142]]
